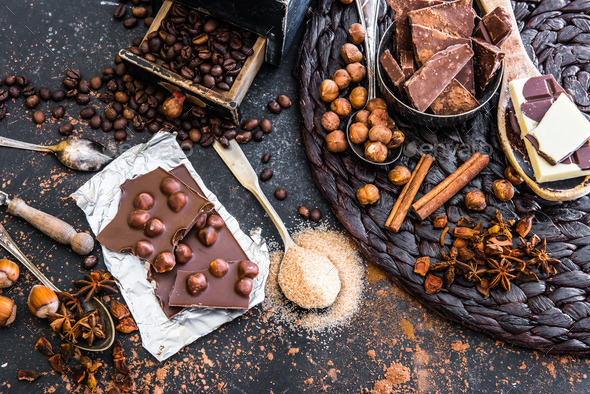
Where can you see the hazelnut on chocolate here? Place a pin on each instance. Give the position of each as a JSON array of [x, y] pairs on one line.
[[138, 219], [330, 121], [358, 97], [215, 221], [376, 103], [170, 186], [196, 283], [376, 152], [356, 34], [244, 287], [247, 269], [144, 249], [368, 194], [329, 90], [153, 227], [362, 116], [183, 253], [207, 236], [177, 201], [380, 134], [350, 53], [336, 141], [358, 133], [164, 262], [218, 268], [342, 78], [341, 107], [144, 201], [356, 71]]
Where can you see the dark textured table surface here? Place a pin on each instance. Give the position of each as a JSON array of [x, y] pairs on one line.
[[255, 353]]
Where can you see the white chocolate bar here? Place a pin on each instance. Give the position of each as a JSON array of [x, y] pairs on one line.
[[545, 172]]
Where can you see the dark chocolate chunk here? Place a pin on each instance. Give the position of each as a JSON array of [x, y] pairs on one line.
[[406, 61], [454, 99], [488, 59], [403, 38], [495, 27], [392, 69], [539, 92], [454, 17], [582, 157]]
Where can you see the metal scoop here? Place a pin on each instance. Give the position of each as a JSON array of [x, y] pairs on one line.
[[78, 154], [109, 327]]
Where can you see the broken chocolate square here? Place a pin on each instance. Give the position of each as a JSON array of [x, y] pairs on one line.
[[392, 69], [454, 17], [403, 38], [495, 27], [488, 60], [406, 60], [454, 99]]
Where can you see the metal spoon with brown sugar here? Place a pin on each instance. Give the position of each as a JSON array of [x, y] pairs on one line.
[[76, 153]]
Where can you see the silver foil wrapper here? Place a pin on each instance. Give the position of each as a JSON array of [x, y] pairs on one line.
[[99, 199]]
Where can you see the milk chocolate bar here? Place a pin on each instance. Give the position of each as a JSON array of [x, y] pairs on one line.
[[454, 18], [488, 60], [403, 37], [495, 27], [155, 212], [436, 74], [454, 99], [406, 60], [392, 69]]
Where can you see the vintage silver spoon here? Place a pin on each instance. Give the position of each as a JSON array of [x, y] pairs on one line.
[[108, 326], [76, 153]]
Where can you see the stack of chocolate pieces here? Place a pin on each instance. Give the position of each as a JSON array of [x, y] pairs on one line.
[[194, 259], [454, 61]]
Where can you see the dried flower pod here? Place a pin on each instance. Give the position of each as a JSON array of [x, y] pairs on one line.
[[44, 347], [9, 273], [422, 265], [28, 375], [475, 200], [465, 232], [118, 310], [439, 222], [7, 311], [432, 284], [42, 301], [523, 226], [67, 351], [127, 325], [57, 363], [78, 373], [483, 287]]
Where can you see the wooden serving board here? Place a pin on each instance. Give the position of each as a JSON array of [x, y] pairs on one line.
[[517, 64]]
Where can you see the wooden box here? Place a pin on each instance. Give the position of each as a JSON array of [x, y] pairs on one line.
[[225, 104], [277, 20]]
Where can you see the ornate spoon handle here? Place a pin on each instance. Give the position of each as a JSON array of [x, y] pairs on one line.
[[369, 12], [10, 143]]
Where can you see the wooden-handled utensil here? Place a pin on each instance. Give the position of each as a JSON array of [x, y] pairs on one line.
[[54, 228], [517, 65], [108, 326]]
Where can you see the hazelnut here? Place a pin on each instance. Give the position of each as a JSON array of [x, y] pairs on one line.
[[7, 311], [358, 97], [346, 2], [362, 116], [368, 194], [350, 53], [358, 133], [342, 78], [330, 121], [379, 117], [329, 91], [336, 141], [9, 273], [356, 34], [475, 200], [356, 71], [376, 151], [341, 107], [376, 103], [380, 134], [42, 301], [400, 175], [512, 176], [397, 138], [503, 189]]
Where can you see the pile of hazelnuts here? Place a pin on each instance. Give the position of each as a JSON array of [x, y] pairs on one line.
[[372, 128]]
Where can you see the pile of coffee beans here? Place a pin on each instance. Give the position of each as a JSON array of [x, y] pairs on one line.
[[140, 11], [199, 48]]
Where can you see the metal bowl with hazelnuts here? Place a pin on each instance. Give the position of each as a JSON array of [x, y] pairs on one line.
[[401, 105]]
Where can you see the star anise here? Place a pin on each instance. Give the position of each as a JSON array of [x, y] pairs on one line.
[[528, 247], [499, 226], [72, 303], [91, 328], [543, 260], [501, 272], [447, 264], [61, 319], [71, 332], [95, 283], [523, 268], [471, 272]]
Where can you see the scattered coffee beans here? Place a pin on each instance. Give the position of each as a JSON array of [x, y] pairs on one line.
[[304, 212], [265, 125], [280, 194], [266, 174], [274, 107], [89, 262], [266, 158], [66, 129], [32, 101], [58, 112], [284, 101], [315, 215], [38, 117]]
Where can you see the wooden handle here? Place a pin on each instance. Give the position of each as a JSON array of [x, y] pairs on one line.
[[53, 227]]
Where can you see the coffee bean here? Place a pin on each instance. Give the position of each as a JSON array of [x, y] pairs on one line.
[[73, 74], [120, 123], [130, 23], [138, 123], [280, 194], [22, 81], [58, 112], [274, 107], [96, 83], [194, 135], [148, 22], [223, 86], [82, 99], [95, 122], [3, 110], [258, 135], [106, 126], [244, 137], [315, 215], [32, 101], [266, 158], [38, 117], [84, 86], [58, 95], [13, 92], [72, 93], [216, 70], [120, 135], [304, 212], [89, 262], [208, 81], [28, 91], [266, 174], [44, 93], [120, 11], [10, 80], [284, 101], [250, 124], [153, 128], [87, 113], [265, 125], [186, 145], [3, 95], [66, 129], [140, 12], [69, 83], [210, 26]]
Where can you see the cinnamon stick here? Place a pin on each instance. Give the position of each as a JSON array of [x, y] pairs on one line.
[[404, 201], [450, 186]]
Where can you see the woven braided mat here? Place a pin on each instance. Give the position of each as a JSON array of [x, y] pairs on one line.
[[553, 314]]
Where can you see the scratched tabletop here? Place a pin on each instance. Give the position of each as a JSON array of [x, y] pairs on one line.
[[391, 343]]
